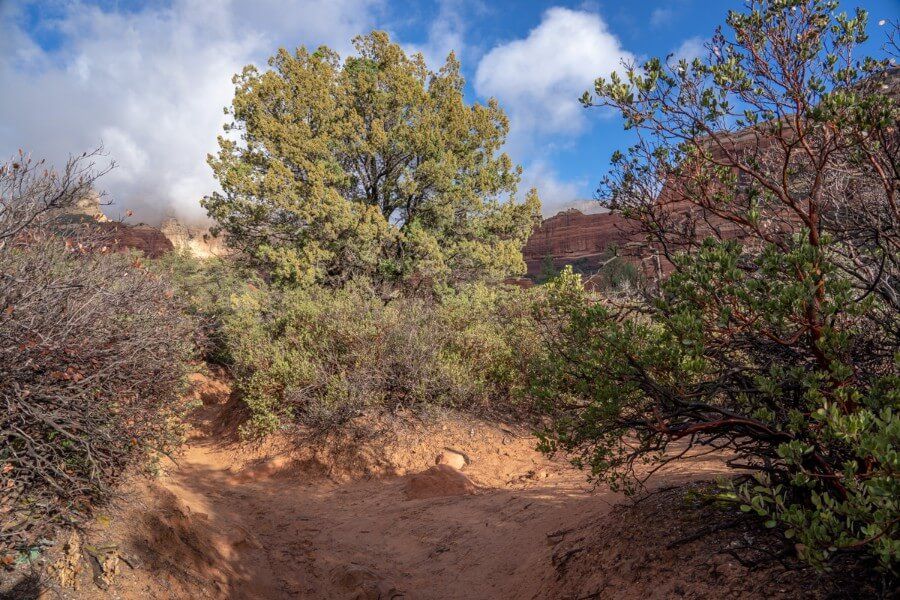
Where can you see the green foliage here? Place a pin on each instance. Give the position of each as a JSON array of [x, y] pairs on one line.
[[205, 288], [775, 338], [374, 167], [614, 273], [828, 458], [582, 379], [618, 273], [866, 513], [548, 270], [323, 356]]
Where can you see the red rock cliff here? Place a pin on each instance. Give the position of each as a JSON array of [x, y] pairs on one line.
[[86, 217], [574, 237], [145, 238]]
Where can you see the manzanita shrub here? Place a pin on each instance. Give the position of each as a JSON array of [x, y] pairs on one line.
[[765, 179]]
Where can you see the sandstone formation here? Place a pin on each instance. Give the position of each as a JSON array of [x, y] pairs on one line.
[[194, 239], [86, 218], [437, 482], [451, 459], [145, 238], [574, 238], [89, 206], [152, 241]]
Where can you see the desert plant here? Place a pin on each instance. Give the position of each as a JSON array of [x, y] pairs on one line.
[[92, 357], [548, 270], [610, 272], [374, 167], [774, 340], [322, 356], [31, 195], [205, 288]]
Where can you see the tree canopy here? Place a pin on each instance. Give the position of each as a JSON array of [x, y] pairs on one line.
[[371, 167]]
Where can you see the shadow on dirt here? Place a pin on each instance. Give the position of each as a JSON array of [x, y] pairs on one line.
[[29, 587]]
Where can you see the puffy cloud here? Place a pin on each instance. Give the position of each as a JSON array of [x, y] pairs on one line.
[[556, 194], [149, 85], [308, 22], [690, 49], [445, 34], [539, 79]]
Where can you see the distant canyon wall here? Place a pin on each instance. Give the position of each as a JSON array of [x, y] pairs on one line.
[[574, 238], [152, 241], [570, 237], [196, 240]]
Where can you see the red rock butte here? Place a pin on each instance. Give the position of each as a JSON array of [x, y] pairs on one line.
[[574, 238]]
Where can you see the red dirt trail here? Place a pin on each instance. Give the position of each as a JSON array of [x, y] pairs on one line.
[[231, 522]]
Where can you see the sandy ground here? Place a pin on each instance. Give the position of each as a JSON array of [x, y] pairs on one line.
[[230, 521]]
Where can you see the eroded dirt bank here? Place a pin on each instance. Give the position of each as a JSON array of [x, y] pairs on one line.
[[357, 518]]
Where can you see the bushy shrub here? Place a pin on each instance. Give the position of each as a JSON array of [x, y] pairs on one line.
[[92, 358], [324, 356], [205, 288], [622, 391], [775, 339], [613, 275]]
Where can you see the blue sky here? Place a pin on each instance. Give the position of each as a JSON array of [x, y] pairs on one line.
[[149, 78]]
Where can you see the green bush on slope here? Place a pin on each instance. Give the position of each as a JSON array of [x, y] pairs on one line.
[[323, 356]]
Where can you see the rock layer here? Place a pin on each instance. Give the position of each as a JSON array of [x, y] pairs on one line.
[[572, 237], [194, 239]]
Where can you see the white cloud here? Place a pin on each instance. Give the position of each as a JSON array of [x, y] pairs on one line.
[[556, 194], [690, 49], [661, 16], [539, 79], [446, 34], [150, 85], [308, 22]]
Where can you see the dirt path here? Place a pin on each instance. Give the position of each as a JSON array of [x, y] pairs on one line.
[[221, 524], [320, 539]]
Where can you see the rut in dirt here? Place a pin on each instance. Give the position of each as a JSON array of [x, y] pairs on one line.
[[281, 528]]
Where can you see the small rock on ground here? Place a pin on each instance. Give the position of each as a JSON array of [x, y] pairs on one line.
[[439, 481], [452, 459]]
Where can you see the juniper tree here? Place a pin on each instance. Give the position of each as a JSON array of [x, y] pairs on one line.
[[372, 166]]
